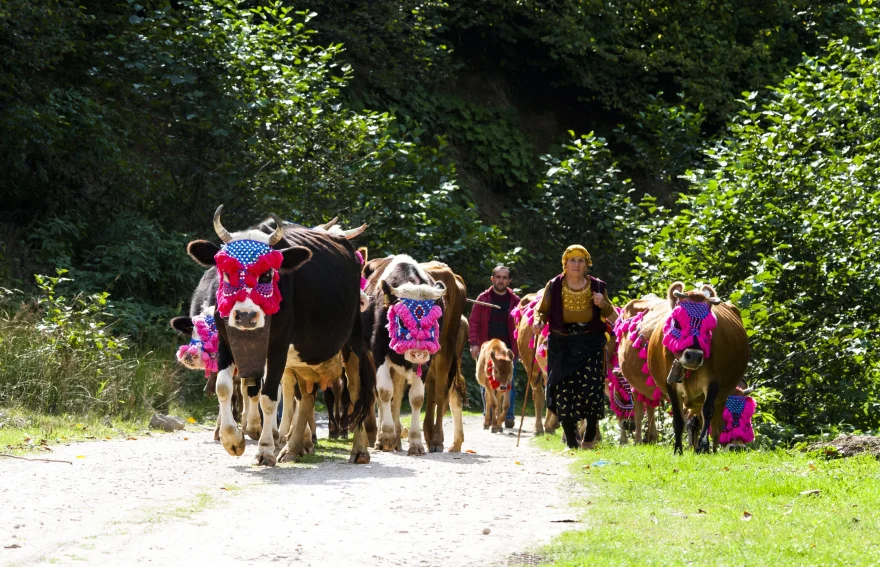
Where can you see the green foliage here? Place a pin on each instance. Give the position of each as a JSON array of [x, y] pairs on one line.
[[786, 226], [58, 356], [585, 201]]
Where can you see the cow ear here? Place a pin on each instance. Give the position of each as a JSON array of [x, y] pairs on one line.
[[670, 293], [182, 325], [294, 257], [510, 354], [364, 253], [203, 252], [708, 291]]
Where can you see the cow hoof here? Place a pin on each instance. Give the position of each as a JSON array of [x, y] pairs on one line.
[[497, 429], [387, 441], [344, 436], [308, 449], [456, 448], [217, 434], [359, 457], [265, 458], [254, 434], [436, 448], [287, 456], [333, 435], [233, 442], [416, 448], [485, 426], [539, 432]]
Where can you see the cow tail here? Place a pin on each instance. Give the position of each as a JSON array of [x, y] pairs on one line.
[[456, 381]]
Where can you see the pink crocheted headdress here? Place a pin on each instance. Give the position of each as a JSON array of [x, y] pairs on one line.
[[688, 321], [413, 324], [203, 344], [240, 264]]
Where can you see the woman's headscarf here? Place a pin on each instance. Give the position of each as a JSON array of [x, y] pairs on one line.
[[575, 251]]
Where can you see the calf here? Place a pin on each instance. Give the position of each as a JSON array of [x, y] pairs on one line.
[[495, 375]]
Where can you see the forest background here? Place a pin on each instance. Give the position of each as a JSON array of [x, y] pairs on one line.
[[727, 142]]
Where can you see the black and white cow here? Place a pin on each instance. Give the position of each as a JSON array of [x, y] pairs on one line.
[[287, 299], [403, 322]]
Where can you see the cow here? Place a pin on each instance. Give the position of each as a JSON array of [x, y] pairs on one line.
[[403, 325], [495, 375], [634, 326], [289, 299], [201, 352], [533, 353], [702, 351]]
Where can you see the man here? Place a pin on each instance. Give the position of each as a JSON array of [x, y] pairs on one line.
[[496, 323]]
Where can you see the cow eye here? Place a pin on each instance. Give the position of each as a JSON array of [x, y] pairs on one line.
[[225, 277], [266, 277]]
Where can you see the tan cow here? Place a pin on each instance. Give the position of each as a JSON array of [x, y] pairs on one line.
[[701, 350], [637, 322], [495, 374], [533, 353]]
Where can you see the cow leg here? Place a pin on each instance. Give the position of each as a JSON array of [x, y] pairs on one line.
[[295, 445], [551, 422], [371, 426], [653, 435], [487, 408], [677, 417], [332, 423], [435, 406], [504, 404], [458, 426], [254, 425], [396, 402], [388, 439], [288, 381], [707, 414], [354, 365], [718, 427], [416, 400], [230, 435], [538, 394], [638, 415]]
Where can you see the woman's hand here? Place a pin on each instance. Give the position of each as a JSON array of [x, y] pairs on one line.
[[599, 300]]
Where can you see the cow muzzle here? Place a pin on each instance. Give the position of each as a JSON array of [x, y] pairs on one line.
[[691, 358], [417, 356], [246, 316]]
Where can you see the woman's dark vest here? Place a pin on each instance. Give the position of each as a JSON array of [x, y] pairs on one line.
[[557, 322]]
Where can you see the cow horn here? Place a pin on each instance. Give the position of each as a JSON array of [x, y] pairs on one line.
[[679, 294], [279, 230], [329, 224], [218, 228], [351, 233]]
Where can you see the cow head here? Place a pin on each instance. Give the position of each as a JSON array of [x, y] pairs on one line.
[[500, 366], [201, 352], [687, 332], [413, 319], [249, 267]]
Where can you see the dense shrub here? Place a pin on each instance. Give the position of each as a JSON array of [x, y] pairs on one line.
[[786, 225]]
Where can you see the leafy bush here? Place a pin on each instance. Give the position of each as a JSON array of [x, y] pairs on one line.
[[59, 356], [786, 226]]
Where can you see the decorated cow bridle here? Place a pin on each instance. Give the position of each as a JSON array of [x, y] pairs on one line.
[[688, 321], [248, 270], [413, 324], [205, 346]]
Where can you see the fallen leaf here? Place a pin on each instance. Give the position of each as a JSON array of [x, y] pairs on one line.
[[809, 492], [674, 470], [132, 439], [585, 467], [517, 463], [191, 419], [812, 545], [80, 456], [471, 451], [725, 468], [746, 516], [186, 438], [701, 511], [223, 488], [13, 546]]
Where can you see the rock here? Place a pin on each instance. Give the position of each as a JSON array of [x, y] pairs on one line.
[[166, 422], [486, 531]]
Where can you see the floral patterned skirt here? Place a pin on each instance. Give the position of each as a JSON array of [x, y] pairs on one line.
[[580, 394]]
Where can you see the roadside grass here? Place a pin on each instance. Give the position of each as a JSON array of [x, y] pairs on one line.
[[23, 431], [644, 505]]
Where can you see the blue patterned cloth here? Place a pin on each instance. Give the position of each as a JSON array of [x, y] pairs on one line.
[[246, 251], [735, 405]]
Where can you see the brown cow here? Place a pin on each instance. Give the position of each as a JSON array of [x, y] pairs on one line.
[[701, 350], [533, 353], [637, 322], [495, 374]]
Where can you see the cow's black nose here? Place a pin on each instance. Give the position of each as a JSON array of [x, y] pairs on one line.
[[245, 319], [693, 357]]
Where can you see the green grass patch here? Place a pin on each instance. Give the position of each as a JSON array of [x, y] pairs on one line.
[[723, 509], [23, 431], [327, 450]]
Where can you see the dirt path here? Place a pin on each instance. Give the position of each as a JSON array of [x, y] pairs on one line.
[[179, 499]]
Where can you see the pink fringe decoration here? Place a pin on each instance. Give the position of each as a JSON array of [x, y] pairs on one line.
[[631, 329], [360, 259], [419, 331], [685, 319], [743, 430], [243, 282], [205, 347]]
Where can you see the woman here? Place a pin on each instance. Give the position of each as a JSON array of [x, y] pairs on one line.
[[574, 304]]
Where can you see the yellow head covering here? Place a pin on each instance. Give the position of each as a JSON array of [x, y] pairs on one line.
[[575, 251]]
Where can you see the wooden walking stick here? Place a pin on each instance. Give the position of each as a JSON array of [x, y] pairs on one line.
[[528, 387]]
